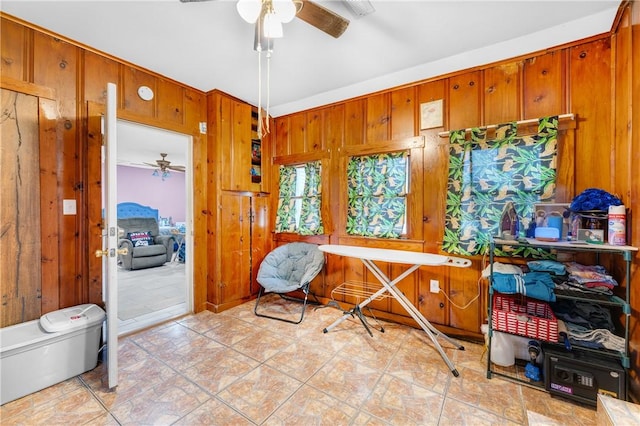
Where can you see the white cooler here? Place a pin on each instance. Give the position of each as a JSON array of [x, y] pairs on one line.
[[40, 353]]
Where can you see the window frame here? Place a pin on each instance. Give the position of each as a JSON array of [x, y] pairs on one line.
[[301, 160], [413, 215]]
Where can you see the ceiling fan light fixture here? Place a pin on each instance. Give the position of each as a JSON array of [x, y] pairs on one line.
[[285, 10], [272, 26], [249, 10]]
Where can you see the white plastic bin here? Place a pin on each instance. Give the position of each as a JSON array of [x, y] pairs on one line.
[[40, 353]]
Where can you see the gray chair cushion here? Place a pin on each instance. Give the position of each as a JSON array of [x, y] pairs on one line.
[[289, 267]]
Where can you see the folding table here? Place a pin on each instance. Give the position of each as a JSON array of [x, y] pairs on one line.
[[368, 256]]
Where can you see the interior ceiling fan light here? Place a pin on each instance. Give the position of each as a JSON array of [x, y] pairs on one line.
[[272, 26], [249, 10], [285, 10]]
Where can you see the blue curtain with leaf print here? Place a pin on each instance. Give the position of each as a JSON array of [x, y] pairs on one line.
[[484, 175], [376, 190], [285, 214], [310, 217]]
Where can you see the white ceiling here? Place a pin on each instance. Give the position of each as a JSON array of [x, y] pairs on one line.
[[206, 44]]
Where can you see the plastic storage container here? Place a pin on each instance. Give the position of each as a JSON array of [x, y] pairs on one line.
[[40, 353]]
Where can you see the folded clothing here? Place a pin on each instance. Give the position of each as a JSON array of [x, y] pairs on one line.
[[590, 274], [502, 268], [538, 285], [547, 266], [583, 313]]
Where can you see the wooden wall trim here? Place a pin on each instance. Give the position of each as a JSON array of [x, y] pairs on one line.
[[27, 88], [386, 146]]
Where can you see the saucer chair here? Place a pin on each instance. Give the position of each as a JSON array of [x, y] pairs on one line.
[[288, 268]]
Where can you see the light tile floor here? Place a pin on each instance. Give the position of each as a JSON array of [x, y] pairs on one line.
[[234, 368]]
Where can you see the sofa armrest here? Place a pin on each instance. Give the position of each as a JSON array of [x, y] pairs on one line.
[[168, 241], [125, 259]]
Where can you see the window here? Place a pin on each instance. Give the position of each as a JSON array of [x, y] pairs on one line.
[[377, 187], [486, 174], [300, 199]]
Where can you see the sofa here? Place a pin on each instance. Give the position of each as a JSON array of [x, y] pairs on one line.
[[146, 247]]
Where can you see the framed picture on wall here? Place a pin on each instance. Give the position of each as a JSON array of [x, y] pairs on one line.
[[431, 114], [256, 151], [256, 173]]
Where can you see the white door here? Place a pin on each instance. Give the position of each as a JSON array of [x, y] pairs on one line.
[[110, 237]]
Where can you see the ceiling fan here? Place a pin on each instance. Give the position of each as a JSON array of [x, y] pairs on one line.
[[164, 165], [314, 14]]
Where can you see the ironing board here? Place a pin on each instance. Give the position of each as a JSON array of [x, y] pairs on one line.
[[368, 256]]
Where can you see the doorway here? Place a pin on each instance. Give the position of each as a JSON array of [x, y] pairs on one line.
[[152, 295]]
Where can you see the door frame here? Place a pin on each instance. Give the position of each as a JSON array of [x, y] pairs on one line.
[[93, 206]]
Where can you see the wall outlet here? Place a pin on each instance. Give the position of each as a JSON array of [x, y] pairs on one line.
[[434, 286]]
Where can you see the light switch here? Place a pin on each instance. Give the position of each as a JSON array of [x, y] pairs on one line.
[[69, 207]]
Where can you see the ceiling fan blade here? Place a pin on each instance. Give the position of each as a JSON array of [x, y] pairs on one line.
[[322, 18], [176, 168]]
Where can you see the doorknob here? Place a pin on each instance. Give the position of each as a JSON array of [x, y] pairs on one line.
[[100, 253]]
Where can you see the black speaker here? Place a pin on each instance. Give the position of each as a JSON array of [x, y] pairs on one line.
[[581, 376]]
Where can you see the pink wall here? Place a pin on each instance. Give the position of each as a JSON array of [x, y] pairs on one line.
[[139, 186]]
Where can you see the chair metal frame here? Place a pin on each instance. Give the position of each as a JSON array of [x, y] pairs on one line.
[[304, 287]]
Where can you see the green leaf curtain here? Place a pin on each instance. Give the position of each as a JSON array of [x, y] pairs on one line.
[[376, 191], [310, 218], [486, 174]]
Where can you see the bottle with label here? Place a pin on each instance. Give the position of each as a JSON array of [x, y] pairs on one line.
[[617, 225]]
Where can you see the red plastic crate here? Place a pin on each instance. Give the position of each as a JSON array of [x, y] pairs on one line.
[[520, 315]]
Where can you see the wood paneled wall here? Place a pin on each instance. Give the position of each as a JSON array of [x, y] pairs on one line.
[[596, 79], [75, 77], [591, 78]]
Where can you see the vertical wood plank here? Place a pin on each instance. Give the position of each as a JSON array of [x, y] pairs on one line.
[[281, 145], [544, 85], [464, 101], [502, 93], [378, 117], [13, 45], [20, 245], [403, 113], [314, 139], [297, 133], [224, 141], [49, 205], [93, 209], [354, 122], [589, 83], [171, 108], [334, 130], [241, 146], [98, 71], [56, 65]]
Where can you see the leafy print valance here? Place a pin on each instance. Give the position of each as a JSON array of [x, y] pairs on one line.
[[486, 174]]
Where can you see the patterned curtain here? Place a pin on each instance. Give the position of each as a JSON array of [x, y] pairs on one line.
[[285, 215], [310, 217], [376, 190], [484, 175]]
